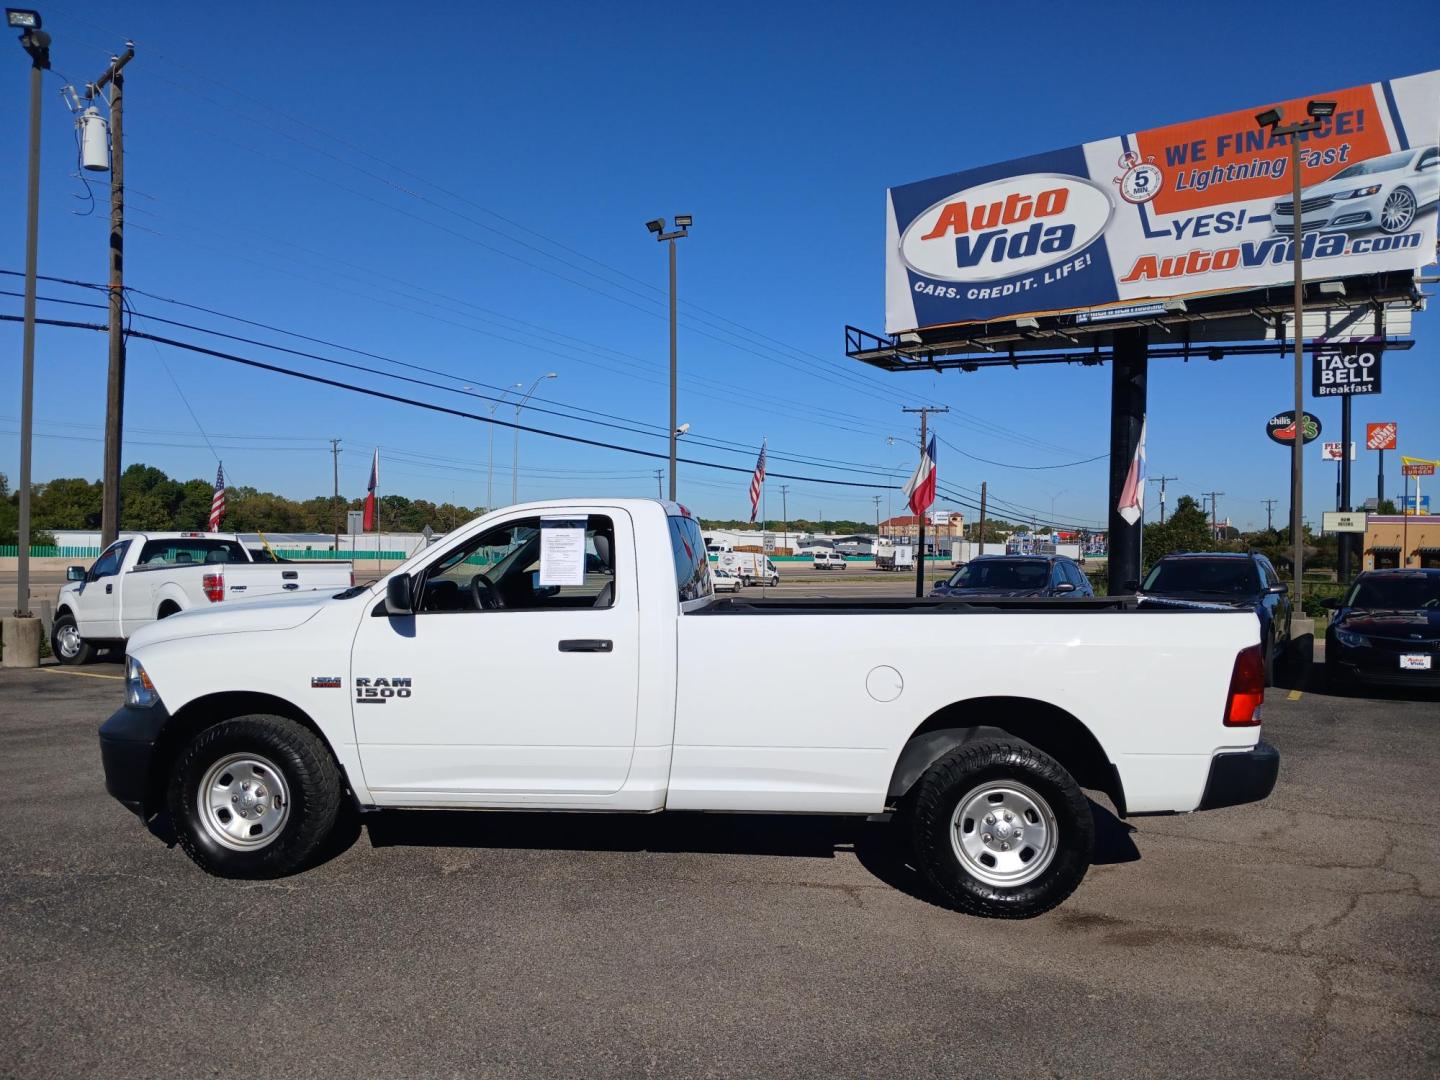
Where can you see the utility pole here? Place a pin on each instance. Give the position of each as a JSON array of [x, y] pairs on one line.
[[36, 43], [785, 513], [1161, 481], [984, 490], [924, 411], [1214, 497], [115, 380], [659, 477], [335, 456], [1269, 514], [876, 500]]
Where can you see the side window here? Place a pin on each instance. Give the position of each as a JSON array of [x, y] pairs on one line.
[[1072, 575], [1058, 576], [500, 569], [692, 564], [108, 564], [1267, 576]]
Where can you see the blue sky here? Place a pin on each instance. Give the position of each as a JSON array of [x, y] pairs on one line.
[[468, 192]]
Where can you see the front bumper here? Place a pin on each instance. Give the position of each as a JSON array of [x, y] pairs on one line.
[[127, 751], [1241, 777]]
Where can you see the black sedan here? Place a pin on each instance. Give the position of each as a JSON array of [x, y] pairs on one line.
[[1386, 631], [1016, 575]]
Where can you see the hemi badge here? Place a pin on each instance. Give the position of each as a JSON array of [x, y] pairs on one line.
[[325, 682]]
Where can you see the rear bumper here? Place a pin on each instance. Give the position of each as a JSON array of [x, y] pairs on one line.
[[1242, 777], [127, 752]]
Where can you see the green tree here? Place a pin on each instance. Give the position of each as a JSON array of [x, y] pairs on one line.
[[1187, 529], [67, 503]]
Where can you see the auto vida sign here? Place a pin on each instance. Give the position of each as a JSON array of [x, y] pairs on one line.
[[1281, 427], [1341, 370], [1192, 208]]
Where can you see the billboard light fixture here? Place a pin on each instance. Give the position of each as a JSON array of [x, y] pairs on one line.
[[1332, 288], [1321, 110], [656, 226], [1027, 323], [22, 18], [1176, 307], [1269, 118]]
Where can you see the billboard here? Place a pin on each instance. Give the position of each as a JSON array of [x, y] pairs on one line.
[[1198, 207]]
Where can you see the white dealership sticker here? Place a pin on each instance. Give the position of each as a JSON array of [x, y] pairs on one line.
[[562, 551], [1414, 662]]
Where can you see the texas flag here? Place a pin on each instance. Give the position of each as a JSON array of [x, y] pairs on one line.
[[921, 488], [370, 491], [1132, 496]]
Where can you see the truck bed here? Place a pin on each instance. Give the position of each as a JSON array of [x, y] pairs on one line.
[[824, 605]]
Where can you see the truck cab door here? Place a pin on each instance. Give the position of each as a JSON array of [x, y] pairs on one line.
[[97, 606], [503, 685]]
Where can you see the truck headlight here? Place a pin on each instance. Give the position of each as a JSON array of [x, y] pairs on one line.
[[140, 692], [1352, 639]]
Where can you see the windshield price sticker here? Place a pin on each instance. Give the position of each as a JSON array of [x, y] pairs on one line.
[[562, 551]]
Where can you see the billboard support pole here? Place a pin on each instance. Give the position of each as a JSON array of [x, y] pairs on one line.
[[1128, 372]]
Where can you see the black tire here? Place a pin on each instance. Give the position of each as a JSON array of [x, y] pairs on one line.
[[309, 774], [961, 773], [62, 634]]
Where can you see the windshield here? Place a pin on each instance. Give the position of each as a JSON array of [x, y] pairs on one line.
[[1374, 165], [1407, 592], [1001, 574], [1212, 577]]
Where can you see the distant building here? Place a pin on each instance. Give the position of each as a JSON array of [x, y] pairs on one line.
[[1393, 541]]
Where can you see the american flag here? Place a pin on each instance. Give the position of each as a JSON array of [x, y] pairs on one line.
[[757, 483], [217, 501]]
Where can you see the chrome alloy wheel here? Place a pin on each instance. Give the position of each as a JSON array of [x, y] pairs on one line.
[[68, 640], [1004, 833], [1398, 211], [243, 802]]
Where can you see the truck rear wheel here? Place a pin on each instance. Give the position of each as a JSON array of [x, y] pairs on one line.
[[254, 797], [1001, 830], [67, 644]]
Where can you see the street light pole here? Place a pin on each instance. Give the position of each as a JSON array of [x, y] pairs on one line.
[[515, 464], [490, 458], [1318, 111], [37, 43], [682, 228]]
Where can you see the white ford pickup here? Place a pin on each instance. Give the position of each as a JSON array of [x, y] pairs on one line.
[[144, 577], [572, 656]]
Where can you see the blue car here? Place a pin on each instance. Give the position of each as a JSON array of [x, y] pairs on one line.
[[988, 576]]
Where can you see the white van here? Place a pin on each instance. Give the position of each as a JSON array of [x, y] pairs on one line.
[[750, 567], [826, 559]]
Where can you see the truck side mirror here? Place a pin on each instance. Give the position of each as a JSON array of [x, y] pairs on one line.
[[398, 599], [1279, 589], [75, 573], [1064, 587]]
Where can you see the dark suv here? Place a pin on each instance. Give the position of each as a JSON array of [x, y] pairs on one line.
[[1016, 575], [1238, 579]]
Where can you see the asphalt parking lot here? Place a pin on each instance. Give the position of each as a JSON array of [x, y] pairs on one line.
[[1296, 937]]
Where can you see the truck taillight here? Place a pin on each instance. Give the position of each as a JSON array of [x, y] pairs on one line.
[[214, 586], [1247, 689], [352, 577]]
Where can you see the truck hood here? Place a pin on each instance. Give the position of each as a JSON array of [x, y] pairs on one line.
[[236, 617]]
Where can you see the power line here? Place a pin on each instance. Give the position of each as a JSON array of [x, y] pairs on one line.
[[432, 407]]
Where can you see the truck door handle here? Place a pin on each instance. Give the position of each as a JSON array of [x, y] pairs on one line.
[[291, 585], [587, 645], [109, 589], [289, 575]]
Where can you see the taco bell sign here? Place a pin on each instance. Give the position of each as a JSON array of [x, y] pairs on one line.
[[1192, 208], [1342, 370]]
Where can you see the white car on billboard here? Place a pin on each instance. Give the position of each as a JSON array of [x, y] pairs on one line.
[[1386, 193]]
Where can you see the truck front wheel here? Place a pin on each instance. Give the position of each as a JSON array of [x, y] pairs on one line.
[[67, 644], [254, 797], [1001, 830]]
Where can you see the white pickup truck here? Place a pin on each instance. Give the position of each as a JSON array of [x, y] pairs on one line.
[[143, 577], [572, 656]]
